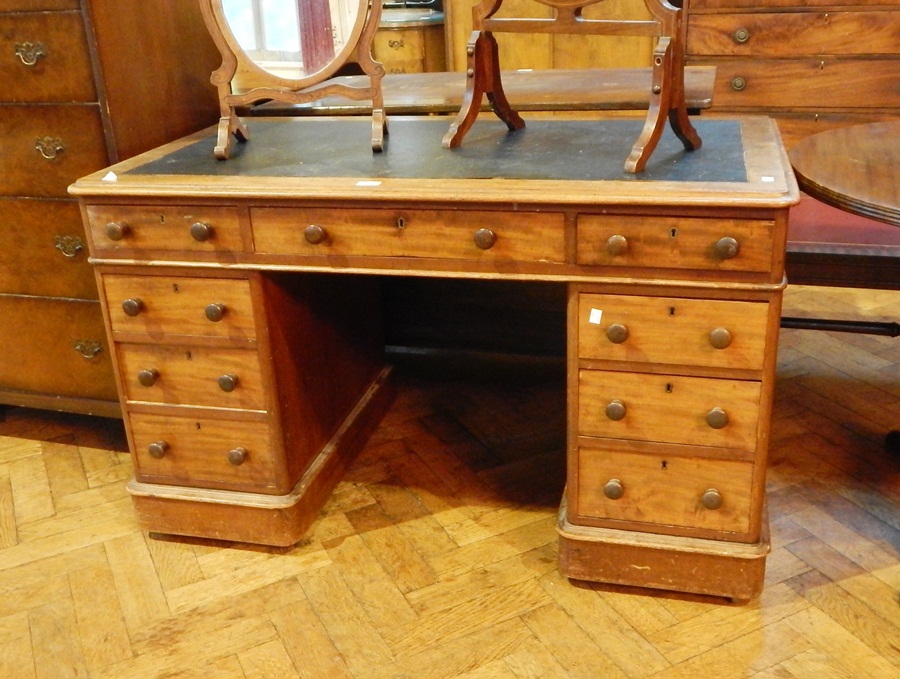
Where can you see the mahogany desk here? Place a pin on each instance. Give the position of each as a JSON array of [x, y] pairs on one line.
[[242, 306]]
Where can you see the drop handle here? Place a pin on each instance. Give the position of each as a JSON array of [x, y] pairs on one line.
[[133, 306], [613, 489], [228, 383], [711, 499], [727, 248], [158, 449], [720, 338], [30, 53], [201, 232], [148, 377], [717, 418], [485, 239], [117, 230], [315, 234], [215, 312], [616, 410], [617, 333], [237, 456], [616, 245]]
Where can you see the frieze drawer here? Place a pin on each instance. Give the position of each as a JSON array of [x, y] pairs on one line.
[[463, 234], [699, 332], [698, 411], [676, 242], [216, 377], [195, 229]]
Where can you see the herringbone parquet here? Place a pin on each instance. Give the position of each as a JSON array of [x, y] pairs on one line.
[[436, 555]]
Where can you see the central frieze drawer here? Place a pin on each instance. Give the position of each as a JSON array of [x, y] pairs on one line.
[[195, 229], [160, 306], [697, 411], [464, 234], [675, 491], [217, 377], [710, 333], [676, 242], [203, 452]]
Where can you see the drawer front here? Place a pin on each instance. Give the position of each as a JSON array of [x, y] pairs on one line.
[[670, 491], [55, 346], [675, 242], [194, 229], [45, 58], [46, 148], [170, 305], [811, 83], [216, 377], [697, 411], [699, 332], [523, 236], [44, 250], [794, 35], [398, 45], [198, 452], [38, 5]]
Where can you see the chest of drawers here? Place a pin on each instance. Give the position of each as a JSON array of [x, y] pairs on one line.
[[243, 309], [76, 76]]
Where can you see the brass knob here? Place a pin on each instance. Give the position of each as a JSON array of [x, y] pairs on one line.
[[720, 338], [717, 418], [741, 35], [228, 382], [237, 456], [614, 489], [738, 83], [201, 232], [617, 333], [132, 306], [485, 239], [148, 377], [158, 449], [215, 311], [727, 248], [711, 499], [315, 234], [615, 410], [617, 245], [117, 230]]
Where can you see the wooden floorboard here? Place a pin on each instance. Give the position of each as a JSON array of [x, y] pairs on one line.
[[436, 555]]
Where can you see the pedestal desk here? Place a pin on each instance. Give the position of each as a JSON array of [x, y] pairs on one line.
[[242, 302]]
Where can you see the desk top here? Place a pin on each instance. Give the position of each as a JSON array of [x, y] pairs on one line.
[[854, 168], [742, 163]]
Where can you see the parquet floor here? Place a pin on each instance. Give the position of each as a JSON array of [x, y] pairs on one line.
[[436, 555]]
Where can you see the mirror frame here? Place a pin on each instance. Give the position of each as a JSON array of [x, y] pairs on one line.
[[266, 86]]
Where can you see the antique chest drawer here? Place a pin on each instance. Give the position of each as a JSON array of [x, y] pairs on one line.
[[44, 250], [203, 452], [72, 354], [161, 306], [675, 242], [698, 332], [463, 234], [198, 229], [675, 491], [45, 58], [779, 34], [401, 51], [675, 409], [45, 146], [217, 377]]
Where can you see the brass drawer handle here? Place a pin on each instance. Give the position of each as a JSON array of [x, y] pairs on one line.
[[237, 456], [49, 147], [133, 306], [30, 53], [158, 449], [69, 246], [148, 377], [617, 245], [396, 44], [616, 410], [228, 383], [720, 338], [117, 230], [727, 248], [711, 499], [215, 312], [613, 489], [617, 333], [485, 239], [315, 234], [201, 232], [88, 348], [738, 83], [741, 35], [717, 418]]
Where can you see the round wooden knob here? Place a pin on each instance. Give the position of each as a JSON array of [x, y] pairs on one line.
[[720, 338], [615, 410], [614, 489], [727, 248], [148, 377], [132, 306], [237, 456], [738, 83], [711, 499], [116, 230], [158, 449], [717, 418], [228, 382], [617, 245], [201, 232], [215, 311], [315, 234], [485, 239], [617, 333], [741, 36]]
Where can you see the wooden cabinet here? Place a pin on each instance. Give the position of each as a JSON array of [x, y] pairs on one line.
[[811, 65], [411, 41], [84, 84]]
